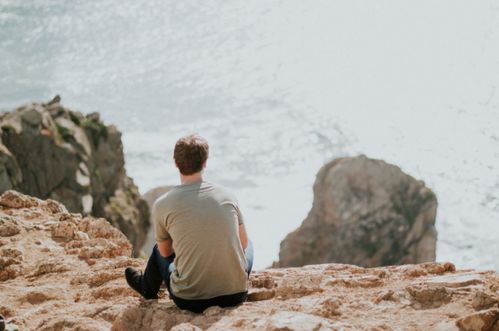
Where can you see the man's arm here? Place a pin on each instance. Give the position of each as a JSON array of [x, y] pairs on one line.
[[163, 239], [243, 236], [165, 247]]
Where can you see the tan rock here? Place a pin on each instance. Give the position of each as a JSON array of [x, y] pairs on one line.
[[263, 280], [429, 296], [35, 297], [64, 230], [14, 199], [78, 284], [261, 294], [365, 212], [64, 323], [485, 320], [48, 267], [385, 296], [185, 327], [483, 300], [329, 308], [296, 321]]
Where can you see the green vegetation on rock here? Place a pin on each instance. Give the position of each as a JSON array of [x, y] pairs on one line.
[[74, 118], [65, 133], [8, 129], [97, 130]]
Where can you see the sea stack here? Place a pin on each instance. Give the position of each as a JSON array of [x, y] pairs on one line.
[[365, 212]]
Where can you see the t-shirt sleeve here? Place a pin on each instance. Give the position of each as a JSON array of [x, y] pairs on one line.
[[159, 218]]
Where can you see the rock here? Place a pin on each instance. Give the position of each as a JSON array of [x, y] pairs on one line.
[[13, 199], [261, 294], [8, 227], [185, 327], [48, 267], [429, 296], [49, 151], [64, 323], [10, 173], [37, 297], [6, 312], [10, 267], [486, 320], [365, 212], [329, 308], [64, 230], [126, 210], [263, 280], [55, 100], [296, 321], [483, 300], [388, 295], [432, 268], [65, 271]]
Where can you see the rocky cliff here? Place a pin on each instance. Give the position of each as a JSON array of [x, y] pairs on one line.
[[49, 151], [365, 212], [62, 271]]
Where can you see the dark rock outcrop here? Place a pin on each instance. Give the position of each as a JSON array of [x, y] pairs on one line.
[[365, 212], [49, 151]]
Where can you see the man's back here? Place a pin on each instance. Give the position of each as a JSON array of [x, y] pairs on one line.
[[202, 220]]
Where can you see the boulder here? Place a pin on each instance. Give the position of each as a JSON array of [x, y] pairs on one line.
[[49, 151], [365, 212]]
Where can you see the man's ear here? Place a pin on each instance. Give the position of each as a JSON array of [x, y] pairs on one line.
[[204, 164]]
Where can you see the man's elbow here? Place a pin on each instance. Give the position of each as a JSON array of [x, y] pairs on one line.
[[243, 236], [244, 243], [165, 248]]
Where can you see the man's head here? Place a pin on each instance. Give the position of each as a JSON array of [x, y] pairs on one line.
[[190, 154]]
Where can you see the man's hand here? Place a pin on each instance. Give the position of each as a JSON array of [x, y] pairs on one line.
[[165, 248], [243, 236]]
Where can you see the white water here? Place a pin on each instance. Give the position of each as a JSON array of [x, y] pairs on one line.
[[279, 88]]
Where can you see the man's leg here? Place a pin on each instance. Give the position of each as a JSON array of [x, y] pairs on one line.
[[149, 282], [249, 256]]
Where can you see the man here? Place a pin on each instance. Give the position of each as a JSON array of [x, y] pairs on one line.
[[203, 253]]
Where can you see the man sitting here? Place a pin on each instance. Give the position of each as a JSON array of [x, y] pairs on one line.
[[203, 253]]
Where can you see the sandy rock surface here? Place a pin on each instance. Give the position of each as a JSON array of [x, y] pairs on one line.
[[365, 212], [61, 271]]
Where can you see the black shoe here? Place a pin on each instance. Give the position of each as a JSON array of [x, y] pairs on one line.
[[134, 280], [2, 323]]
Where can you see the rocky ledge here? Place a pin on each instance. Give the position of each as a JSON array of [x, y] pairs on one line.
[[62, 271]]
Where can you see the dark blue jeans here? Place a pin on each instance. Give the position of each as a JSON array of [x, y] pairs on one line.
[[157, 271]]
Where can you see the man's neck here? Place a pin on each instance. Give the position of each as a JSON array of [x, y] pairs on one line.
[[189, 179]]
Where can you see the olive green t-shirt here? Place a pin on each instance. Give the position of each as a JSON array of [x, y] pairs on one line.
[[202, 219]]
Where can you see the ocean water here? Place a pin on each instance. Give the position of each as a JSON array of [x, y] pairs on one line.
[[279, 88]]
